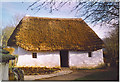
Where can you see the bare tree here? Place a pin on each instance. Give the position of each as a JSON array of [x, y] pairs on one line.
[[112, 46], [16, 19], [94, 12], [7, 31]]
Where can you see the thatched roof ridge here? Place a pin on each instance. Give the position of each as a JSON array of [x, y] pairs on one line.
[[49, 34], [48, 18]]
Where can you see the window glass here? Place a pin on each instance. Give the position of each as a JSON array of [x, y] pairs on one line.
[[89, 54], [34, 55]]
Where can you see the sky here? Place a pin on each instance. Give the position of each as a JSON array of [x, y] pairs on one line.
[[10, 9]]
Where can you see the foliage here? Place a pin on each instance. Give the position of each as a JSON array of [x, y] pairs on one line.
[[5, 55], [38, 70], [16, 74], [12, 63], [11, 50], [112, 47]]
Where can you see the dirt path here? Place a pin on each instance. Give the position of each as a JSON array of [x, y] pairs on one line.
[[74, 75]]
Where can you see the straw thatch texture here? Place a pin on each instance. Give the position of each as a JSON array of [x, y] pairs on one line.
[[49, 34]]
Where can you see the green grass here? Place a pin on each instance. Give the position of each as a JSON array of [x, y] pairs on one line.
[[108, 75]]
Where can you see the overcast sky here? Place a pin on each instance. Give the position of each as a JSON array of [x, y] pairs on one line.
[[10, 9]]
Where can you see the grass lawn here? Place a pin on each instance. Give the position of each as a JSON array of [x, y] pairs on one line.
[[106, 75]]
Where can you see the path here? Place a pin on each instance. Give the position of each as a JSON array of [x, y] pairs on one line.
[[62, 72], [72, 76], [65, 74]]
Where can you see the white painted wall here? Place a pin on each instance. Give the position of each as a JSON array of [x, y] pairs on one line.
[[77, 59], [81, 60], [48, 59], [4, 71]]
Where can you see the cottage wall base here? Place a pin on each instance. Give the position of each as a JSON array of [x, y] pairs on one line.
[[77, 59]]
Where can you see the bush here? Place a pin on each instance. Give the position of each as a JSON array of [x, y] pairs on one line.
[[37, 70], [16, 74], [11, 50]]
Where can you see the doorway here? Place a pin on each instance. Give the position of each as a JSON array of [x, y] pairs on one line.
[[64, 59]]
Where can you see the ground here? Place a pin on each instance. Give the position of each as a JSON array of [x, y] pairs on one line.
[[80, 74]]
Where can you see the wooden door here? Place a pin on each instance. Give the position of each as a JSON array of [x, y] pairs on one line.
[[64, 59]]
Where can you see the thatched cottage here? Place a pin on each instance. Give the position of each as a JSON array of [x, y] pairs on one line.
[[56, 42]]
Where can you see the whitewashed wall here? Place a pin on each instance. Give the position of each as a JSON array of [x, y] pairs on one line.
[[48, 59], [81, 60], [77, 59], [4, 71]]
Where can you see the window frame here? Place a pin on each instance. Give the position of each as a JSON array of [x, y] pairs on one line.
[[89, 54], [34, 55]]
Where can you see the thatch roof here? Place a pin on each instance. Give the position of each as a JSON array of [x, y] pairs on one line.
[[5, 56], [49, 34]]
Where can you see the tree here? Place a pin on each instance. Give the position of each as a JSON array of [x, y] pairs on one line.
[[94, 12], [7, 31], [112, 46], [0, 37]]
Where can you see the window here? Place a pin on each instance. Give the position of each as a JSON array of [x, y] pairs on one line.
[[34, 55], [89, 54]]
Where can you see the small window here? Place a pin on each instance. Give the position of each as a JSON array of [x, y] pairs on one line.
[[34, 55], [89, 54]]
